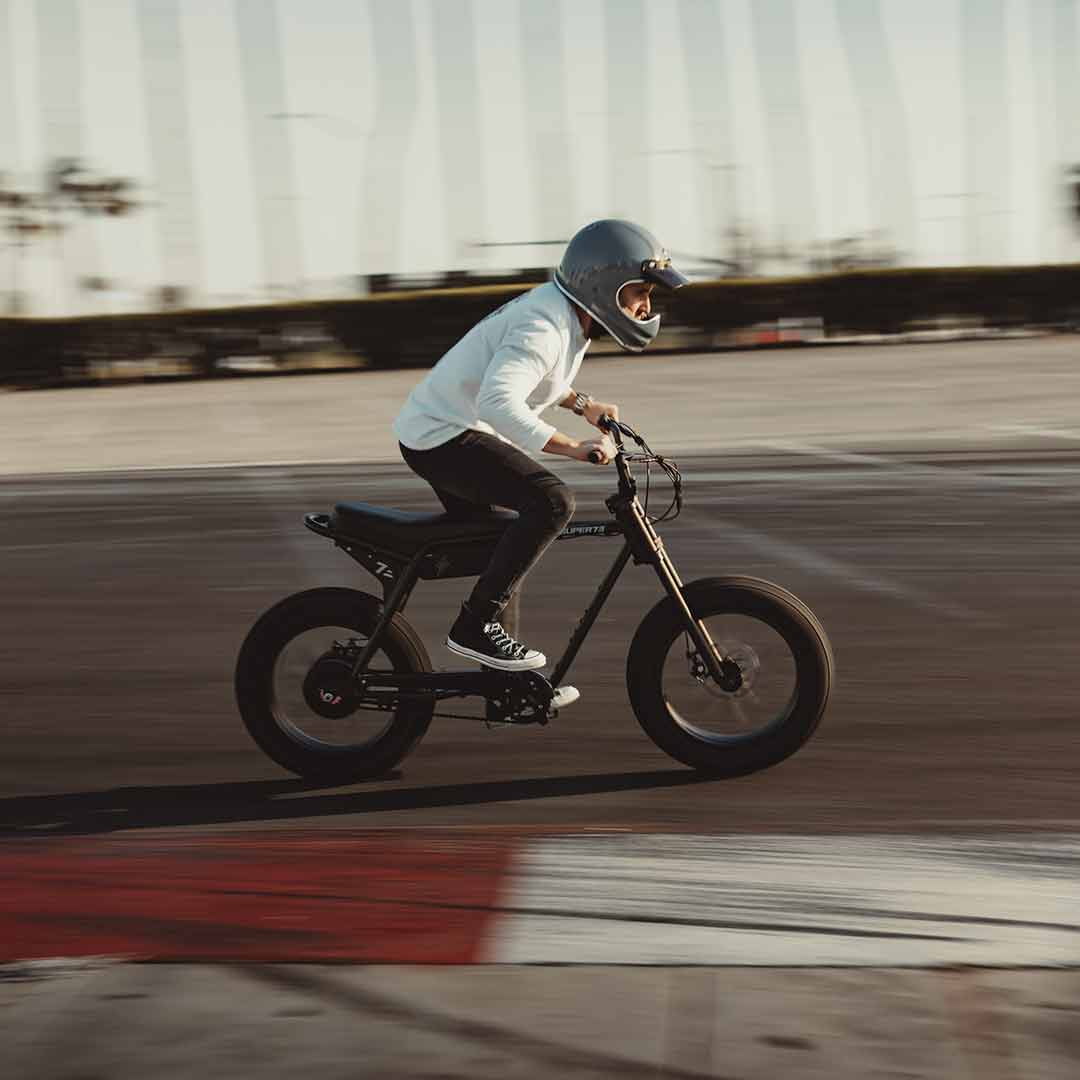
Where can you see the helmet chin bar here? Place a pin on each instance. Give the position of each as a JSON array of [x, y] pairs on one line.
[[652, 325], [652, 328]]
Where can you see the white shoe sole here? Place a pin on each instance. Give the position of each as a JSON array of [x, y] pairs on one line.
[[563, 696], [536, 661]]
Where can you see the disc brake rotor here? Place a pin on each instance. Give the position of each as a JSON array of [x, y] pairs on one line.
[[747, 659]]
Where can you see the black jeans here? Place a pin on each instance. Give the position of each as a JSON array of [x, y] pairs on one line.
[[475, 471]]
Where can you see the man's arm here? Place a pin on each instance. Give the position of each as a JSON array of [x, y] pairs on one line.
[[592, 410], [525, 356], [579, 449], [507, 383], [565, 446]]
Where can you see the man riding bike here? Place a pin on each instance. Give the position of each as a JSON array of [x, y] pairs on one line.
[[469, 427]]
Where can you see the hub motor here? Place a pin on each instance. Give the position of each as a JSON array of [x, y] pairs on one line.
[[328, 689]]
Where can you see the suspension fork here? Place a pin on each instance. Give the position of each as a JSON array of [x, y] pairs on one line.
[[649, 547]]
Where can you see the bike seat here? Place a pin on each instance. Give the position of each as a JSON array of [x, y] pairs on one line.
[[406, 533]]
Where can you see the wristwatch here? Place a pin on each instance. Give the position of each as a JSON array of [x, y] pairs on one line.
[[581, 403]]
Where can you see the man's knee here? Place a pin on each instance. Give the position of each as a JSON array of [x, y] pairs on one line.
[[549, 504], [562, 503]]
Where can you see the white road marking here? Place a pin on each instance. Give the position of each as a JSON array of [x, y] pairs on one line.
[[57, 967], [793, 901], [1039, 430], [845, 573], [1072, 824], [389, 474], [791, 446], [104, 547], [938, 475]]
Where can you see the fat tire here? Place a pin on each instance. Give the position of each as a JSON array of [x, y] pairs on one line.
[[756, 598], [254, 685]]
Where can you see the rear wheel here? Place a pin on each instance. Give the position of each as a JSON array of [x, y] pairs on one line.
[[785, 674], [295, 691]]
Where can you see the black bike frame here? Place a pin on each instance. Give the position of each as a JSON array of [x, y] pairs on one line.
[[643, 545]]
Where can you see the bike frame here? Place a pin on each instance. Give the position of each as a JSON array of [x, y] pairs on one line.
[[642, 544]]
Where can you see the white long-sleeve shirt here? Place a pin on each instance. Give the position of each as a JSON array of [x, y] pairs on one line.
[[500, 376]]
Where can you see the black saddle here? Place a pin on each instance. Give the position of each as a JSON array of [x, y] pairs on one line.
[[406, 533]]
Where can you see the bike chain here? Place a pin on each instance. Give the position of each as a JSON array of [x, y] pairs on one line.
[[350, 648], [455, 716]]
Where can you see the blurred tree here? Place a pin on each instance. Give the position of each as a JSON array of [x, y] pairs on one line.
[[68, 190], [170, 297], [94, 283], [23, 222], [859, 252]]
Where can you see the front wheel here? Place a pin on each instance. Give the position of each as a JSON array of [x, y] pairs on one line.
[[785, 667], [296, 695]]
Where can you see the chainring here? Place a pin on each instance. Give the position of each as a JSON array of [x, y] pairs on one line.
[[524, 698]]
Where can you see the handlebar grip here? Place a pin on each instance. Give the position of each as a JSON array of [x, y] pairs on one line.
[[595, 457]]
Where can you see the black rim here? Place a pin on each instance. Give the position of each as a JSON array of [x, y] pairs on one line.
[[294, 678], [769, 684]]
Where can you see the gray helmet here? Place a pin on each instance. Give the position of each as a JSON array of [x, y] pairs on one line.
[[600, 260]]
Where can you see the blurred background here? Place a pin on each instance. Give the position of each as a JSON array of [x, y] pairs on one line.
[[240, 152], [158, 154]]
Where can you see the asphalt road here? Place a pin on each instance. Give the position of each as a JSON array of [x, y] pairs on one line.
[[946, 581]]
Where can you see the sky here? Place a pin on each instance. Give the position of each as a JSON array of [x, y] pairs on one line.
[[288, 147]]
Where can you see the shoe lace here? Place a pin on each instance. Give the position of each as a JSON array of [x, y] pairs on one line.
[[502, 641]]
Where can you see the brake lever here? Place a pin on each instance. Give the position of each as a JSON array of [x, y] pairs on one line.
[[609, 426]]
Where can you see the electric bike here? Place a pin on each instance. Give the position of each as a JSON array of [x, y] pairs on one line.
[[728, 675]]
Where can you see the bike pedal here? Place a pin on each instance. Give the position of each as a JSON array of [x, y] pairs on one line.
[[563, 696]]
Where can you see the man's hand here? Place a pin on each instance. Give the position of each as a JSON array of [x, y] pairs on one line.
[[597, 409], [603, 447], [565, 446]]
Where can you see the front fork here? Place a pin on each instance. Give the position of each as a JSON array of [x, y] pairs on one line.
[[648, 547]]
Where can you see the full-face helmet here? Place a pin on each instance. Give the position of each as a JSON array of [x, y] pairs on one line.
[[600, 260]]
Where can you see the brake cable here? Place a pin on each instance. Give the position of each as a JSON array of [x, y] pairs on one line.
[[649, 458]]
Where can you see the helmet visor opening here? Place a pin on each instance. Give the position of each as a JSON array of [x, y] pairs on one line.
[[661, 272]]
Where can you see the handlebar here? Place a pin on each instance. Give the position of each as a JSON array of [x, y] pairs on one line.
[[609, 426], [645, 454]]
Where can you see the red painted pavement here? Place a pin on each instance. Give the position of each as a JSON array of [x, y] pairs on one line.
[[368, 898]]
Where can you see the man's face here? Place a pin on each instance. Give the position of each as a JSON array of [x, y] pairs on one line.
[[635, 299]]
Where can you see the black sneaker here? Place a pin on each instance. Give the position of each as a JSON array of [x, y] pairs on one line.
[[490, 644]]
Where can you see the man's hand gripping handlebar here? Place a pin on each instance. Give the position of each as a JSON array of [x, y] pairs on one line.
[[607, 425]]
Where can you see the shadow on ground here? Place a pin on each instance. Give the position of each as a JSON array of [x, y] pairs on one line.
[[89, 812]]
